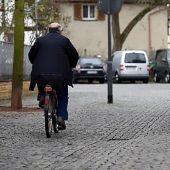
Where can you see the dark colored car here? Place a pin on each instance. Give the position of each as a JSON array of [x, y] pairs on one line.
[[90, 68], [161, 68]]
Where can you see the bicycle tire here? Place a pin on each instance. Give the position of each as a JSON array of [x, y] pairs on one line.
[[48, 122], [54, 122]]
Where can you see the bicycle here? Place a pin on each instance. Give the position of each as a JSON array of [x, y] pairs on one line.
[[50, 100]]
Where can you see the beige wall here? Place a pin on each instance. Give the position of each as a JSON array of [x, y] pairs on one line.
[[140, 37], [93, 35]]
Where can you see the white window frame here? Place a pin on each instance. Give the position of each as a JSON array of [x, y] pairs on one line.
[[95, 12]]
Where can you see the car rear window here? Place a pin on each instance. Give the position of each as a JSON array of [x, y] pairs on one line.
[[135, 58], [94, 61]]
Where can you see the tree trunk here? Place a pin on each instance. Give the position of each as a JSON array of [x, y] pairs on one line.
[[118, 38], [134, 21], [117, 44], [17, 77]]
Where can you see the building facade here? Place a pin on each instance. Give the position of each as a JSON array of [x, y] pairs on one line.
[[86, 26], [89, 32]]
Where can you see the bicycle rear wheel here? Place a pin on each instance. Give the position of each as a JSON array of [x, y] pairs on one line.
[[48, 122]]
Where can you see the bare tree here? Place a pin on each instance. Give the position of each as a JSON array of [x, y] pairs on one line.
[[118, 37], [7, 9], [47, 11]]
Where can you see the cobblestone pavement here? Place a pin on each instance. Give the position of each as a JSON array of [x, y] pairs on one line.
[[133, 133]]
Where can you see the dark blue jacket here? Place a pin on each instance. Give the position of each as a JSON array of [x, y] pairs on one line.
[[53, 53]]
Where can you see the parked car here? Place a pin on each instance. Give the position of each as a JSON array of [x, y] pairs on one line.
[[130, 66], [161, 69], [90, 68]]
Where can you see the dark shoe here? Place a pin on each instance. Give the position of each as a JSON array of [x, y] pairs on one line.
[[61, 128], [41, 103], [61, 123]]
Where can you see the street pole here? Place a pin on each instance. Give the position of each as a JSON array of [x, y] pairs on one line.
[[109, 64], [109, 7]]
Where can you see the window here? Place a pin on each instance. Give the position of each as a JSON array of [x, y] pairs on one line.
[[88, 12], [91, 61], [135, 58]]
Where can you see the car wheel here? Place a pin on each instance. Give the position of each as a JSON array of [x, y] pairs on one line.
[[166, 78], [102, 81], [145, 81], [156, 79], [117, 78]]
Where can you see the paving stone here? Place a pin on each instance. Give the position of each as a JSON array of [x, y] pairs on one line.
[[133, 133]]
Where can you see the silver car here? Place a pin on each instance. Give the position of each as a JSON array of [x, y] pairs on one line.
[[130, 66]]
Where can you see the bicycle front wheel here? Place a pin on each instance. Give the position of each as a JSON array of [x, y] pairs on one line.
[[48, 122], [54, 122]]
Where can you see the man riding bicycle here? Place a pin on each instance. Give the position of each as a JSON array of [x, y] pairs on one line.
[[53, 53]]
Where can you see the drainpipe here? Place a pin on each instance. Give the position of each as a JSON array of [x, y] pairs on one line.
[[149, 26]]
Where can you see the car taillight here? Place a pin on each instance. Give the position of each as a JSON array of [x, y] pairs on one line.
[[78, 67], [121, 67]]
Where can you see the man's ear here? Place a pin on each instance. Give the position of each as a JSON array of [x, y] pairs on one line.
[[59, 28], [60, 31]]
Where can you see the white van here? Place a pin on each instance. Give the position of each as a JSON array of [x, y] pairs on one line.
[[130, 66]]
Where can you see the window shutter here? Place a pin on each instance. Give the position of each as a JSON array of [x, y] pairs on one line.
[[101, 16], [77, 11]]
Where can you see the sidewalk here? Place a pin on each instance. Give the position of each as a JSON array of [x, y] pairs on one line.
[[133, 133]]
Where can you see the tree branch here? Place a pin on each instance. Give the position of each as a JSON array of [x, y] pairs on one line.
[[134, 21]]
